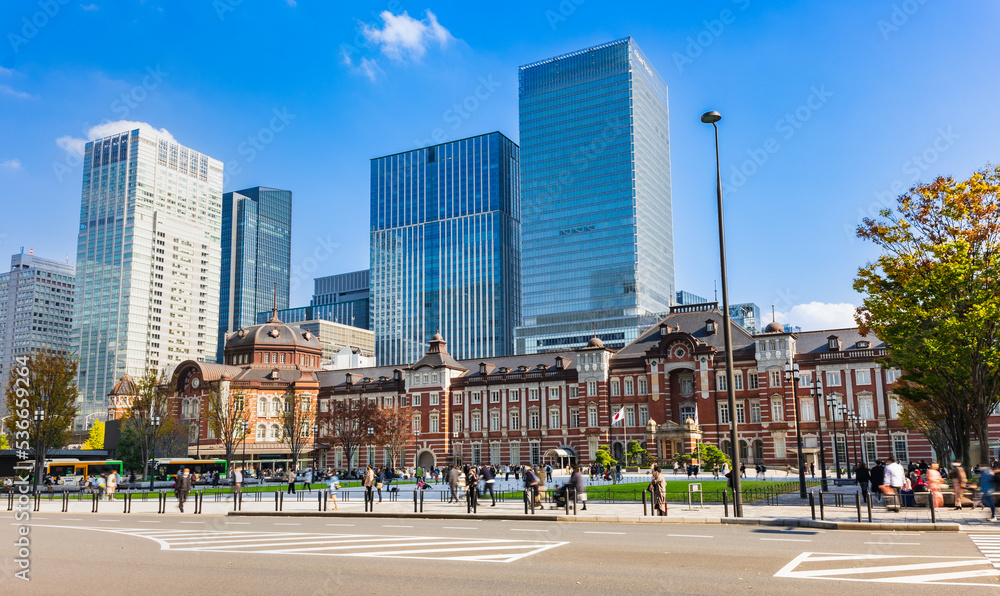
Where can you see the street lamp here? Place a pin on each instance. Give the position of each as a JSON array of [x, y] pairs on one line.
[[862, 426], [843, 414], [454, 451], [831, 402], [713, 119], [39, 456], [792, 374], [416, 447], [315, 430], [154, 423], [371, 434]]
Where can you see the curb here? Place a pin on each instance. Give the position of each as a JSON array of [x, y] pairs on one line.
[[827, 525]]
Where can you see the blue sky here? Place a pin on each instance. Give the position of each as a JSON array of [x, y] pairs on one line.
[[829, 111]]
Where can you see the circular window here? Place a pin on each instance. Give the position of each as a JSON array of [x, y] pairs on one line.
[[679, 353], [275, 332]]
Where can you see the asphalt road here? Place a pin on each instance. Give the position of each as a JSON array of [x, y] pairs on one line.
[[151, 554]]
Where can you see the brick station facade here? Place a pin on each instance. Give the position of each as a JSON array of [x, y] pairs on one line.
[[557, 407]]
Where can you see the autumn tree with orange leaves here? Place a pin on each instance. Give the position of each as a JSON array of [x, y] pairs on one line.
[[932, 296]]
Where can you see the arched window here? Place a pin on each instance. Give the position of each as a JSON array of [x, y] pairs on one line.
[[261, 432], [275, 432]]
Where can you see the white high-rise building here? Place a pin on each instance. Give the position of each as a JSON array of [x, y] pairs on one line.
[[148, 259], [36, 310]]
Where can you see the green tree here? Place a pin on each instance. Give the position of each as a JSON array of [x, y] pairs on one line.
[[932, 297], [128, 451], [149, 405], [635, 453], [711, 455], [42, 381], [4, 442], [603, 457], [228, 417], [96, 438]]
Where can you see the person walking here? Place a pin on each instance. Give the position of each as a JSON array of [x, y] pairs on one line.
[[237, 481], [379, 483], [743, 470], [576, 483], [658, 486], [291, 480], [112, 485], [862, 477], [309, 479], [877, 475], [548, 473], [131, 481], [488, 479], [184, 482], [369, 483], [934, 484], [453, 483], [332, 487], [988, 484], [531, 481], [895, 478], [958, 480]]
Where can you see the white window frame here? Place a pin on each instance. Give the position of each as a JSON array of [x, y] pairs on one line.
[[755, 412], [863, 377], [832, 378], [723, 413], [514, 419], [720, 382], [777, 409]]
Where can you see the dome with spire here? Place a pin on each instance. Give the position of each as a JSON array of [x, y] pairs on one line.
[[774, 327], [595, 342]]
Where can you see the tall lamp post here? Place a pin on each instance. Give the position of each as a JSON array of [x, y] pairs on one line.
[[831, 402], [818, 397], [454, 451], [792, 374], [844, 412], [154, 423], [713, 119], [315, 430], [862, 426], [39, 456], [416, 448], [371, 434]]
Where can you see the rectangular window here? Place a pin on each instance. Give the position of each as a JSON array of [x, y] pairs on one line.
[[495, 420], [630, 416], [899, 448], [477, 397], [591, 388], [592, 416], [866, 409], [434, 399], [515, 453], [643, 415], [494, 397], [554, 419], [515, 395], [416, 400], [774, 377], [457, 400], [754, 380], [891, 375], [533, 421], [842, 451], [805, 379], [807, 409], [536, 454], [456, 422], [863, 377], [553, 393], [741, 416], [434, 424], [755, 411], [738, 380], [832, 378], [779, 446], [629, 386], [777, 410], [495, 454], [642, 386], [573, 392], [532, 394], [477, 453], [477, 422], [723, 413], [894, 407], [574, 418], [871, 449], [515, 419], [615, 388], [720, 382]]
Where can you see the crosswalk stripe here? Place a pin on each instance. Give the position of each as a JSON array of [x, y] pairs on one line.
[[937, 570]]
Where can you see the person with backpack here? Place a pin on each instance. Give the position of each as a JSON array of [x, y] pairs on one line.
[[184, 483], [488, 479]]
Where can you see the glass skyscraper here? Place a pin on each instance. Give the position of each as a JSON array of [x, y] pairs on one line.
[[147, 260], [256, 256], [341, 298], [445, 239], [598, 254]]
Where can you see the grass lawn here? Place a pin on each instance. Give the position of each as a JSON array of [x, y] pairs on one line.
[[677, 490]]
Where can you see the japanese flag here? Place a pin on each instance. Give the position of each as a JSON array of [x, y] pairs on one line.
[[620, 415]]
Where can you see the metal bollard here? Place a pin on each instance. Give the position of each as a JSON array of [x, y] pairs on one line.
[[281, 501], [94, 501], [65, 502], [857, 502], [644, 503], [38, 500], [869, 504], [526, 501], [930, 501], [812, 504], [10, 499], [276, 493], [821, 510], [725, 502], [421, 501], [415, 501]]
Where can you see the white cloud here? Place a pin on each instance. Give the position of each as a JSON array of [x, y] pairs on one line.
[[6, 71], [8, 90], [76, 145], [89, 7], [10, 164], [815, 316], [403, 36], [291, 3]]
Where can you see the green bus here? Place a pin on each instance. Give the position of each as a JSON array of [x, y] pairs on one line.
[[168, 468]]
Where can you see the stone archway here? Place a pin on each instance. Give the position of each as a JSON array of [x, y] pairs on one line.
[[426, 459]]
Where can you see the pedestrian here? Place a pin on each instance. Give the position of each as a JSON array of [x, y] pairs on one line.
[[548, 473], [895, 478], [531, 482], [453, 483], [369, 483], [862, 477], [934, 484], [488, 480], [131, 481], [658, 486], [102, 485], [237, 481], [380, 482], [763, 472], [743, 470], [877, 474], [112, 485], [309, 479], [715, 470], [333, 486], [183, 487], [576, 482], [215, 479], [506, 473], [958, 480], [812, 469], [788, 470], [988, 484]]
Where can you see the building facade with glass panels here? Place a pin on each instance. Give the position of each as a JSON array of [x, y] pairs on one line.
[[445, 237], [36, 311], [148, 260], [256, 256], [598, 254]]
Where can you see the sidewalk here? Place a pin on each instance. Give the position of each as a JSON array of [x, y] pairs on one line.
[[791, 511]]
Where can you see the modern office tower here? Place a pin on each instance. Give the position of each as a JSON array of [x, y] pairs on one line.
[[36, 310], [746, 315], [343, 298], [597, 224], [256, 256], [147, 263], [445, 224], [684, 298]]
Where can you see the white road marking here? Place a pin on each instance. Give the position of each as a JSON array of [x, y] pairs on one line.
[[787, 539], [958, 568], [525, 530], [689, 536], [229, 523], [342, 525], [896, 543], [142, 521], [384, 526], [108, 520], [896, 533], [192, 522], [72, 519], [619, 533], [449, 528], [989, 545], [344, 545], [280, 524]]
